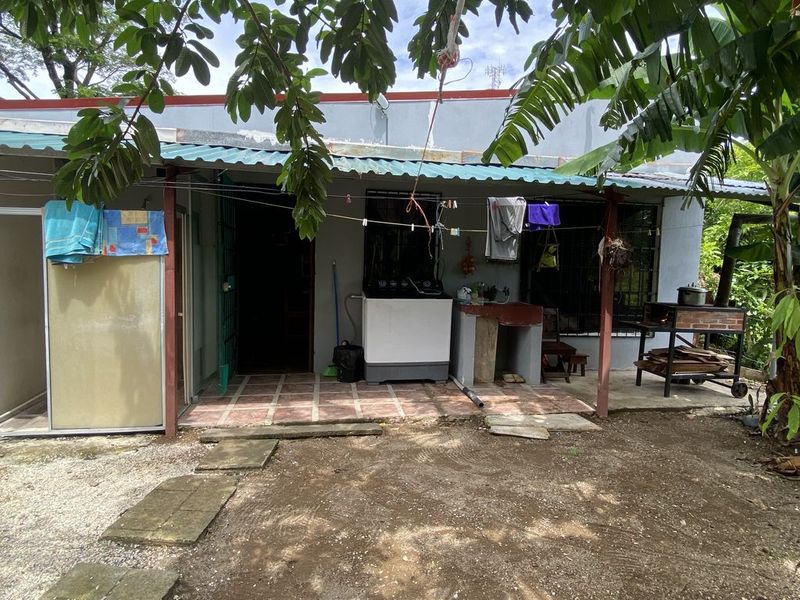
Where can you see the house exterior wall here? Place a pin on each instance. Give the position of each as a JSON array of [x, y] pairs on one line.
[[343, 241], [467, 124], [678, 264]]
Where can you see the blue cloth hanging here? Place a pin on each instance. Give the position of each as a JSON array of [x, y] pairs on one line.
[[72, 235], [542, 216]]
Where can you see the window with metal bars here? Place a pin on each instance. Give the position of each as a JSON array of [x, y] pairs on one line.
[[395, 253], [573, 287]]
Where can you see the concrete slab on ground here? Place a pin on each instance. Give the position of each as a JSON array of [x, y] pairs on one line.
[[552, 422], [238, 454], [624, 394], [532, 432], [177, 511], [94, 581], [287, 432]]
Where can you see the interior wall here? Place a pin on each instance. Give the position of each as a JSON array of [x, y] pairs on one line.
[[22, 346]]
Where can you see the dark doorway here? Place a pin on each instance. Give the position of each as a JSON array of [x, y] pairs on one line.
[[275, 278]]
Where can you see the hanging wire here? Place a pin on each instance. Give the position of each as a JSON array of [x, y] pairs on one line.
[[210, 188]]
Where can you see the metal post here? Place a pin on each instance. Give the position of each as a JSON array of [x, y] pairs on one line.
[[670, 360], [606, 308], [642, 338], [170, 310]]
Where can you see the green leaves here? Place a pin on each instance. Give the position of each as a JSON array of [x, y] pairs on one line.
[[783, 140], [433, 25], [107, 151], [755, 252], [307, 173], [353, 41], [776, 403], [786, 320]]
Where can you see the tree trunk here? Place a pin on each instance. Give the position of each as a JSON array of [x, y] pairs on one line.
[[788, 367]]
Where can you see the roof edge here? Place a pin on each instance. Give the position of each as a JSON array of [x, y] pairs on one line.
[[219, 99]]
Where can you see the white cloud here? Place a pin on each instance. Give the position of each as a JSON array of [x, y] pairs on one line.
[[486, 45]]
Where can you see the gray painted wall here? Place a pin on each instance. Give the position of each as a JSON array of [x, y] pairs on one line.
[[466, 125], [678, 264], [343, 241]]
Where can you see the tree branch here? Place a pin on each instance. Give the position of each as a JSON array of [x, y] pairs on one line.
[[154, 81], [17, 83], [10, 32], [49, 65]]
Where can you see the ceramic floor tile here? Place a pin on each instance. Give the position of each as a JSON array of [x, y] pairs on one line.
[[336, 399], [263, 379], [295, 399], [245, 417], [383, 410], [377, 396], [300, 378], [297, 388], [260, 389], [340, 388], [291, 415], [421, 409], [332, 413], [458, 408], [416, 396], [196, 418], [212, 404], [252, 402]]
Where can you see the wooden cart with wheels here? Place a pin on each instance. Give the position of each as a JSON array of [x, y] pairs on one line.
[[673, 319]]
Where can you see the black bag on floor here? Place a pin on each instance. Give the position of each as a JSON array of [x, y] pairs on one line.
[[349, 361]]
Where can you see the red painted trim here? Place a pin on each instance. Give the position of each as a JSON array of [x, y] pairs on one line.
[[170, 312], [219, 99]]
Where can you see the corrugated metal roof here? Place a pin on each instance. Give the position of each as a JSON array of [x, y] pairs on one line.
[[211, 155], [731, 187]]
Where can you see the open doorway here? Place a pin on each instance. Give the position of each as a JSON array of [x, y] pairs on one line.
[[274, 273], [23, 370]]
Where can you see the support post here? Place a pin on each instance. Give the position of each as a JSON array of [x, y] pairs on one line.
[[606, 308], [170, 310]]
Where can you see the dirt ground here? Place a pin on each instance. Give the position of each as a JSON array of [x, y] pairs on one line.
[[658, 505]]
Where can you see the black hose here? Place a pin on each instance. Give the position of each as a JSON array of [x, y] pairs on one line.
[[468, 393]]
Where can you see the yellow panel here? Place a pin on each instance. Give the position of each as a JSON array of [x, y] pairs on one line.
[[105, 343]]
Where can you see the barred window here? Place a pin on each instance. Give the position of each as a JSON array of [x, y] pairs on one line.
[[573, 288], [395, 253]]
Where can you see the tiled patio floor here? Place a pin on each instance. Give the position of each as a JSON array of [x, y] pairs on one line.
[[31, 421], [308, 398]]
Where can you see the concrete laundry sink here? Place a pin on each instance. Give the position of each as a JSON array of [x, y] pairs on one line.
[[512, 314], [474, 348]]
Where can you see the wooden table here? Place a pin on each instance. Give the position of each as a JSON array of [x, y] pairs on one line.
[[562, 351]]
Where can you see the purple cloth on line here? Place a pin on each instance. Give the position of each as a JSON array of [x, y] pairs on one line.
[[543, 215]]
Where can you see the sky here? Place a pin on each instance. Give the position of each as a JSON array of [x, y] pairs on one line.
[[487, 45]]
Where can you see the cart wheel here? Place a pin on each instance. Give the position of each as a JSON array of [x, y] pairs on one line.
[[739, 389], [697, 380]]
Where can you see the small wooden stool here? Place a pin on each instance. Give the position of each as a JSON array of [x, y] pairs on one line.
[[575, 360]]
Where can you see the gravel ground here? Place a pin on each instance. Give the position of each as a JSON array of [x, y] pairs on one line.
[[58, 495], [655, 506]]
